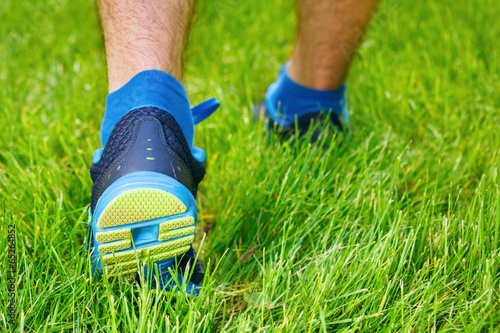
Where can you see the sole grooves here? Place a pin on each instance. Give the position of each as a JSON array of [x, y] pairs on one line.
[[156, 249], [133, 265], [109, 236], [176, 233], [142, 254], [130, 273], [115, 246], [176, 223], [139, 205]]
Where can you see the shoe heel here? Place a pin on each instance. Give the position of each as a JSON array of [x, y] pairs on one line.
[[142, 217]]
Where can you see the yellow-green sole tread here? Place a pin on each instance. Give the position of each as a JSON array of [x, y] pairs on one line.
[[109, 236], [116, 270], [129, 267], [169, 245], [175, 233], [115, 246], [140, 205], [170, 254], [143, 254], [123, 266], [176, 223]]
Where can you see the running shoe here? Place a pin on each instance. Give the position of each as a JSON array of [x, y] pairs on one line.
[[322, 122], [143, 207], [314, 111]]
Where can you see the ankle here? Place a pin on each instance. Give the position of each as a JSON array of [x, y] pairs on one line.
[[149, 88], [287, 100], [316, 75]]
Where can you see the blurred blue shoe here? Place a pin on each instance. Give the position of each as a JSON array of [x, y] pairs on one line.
[[143, 209], [290, 107]]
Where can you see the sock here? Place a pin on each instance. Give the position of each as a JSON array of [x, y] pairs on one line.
[[149, 88], [286, 99]]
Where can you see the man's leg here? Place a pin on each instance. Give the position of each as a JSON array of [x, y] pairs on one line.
[[146, 177], [144, 34], [328, 34], [139, 36]]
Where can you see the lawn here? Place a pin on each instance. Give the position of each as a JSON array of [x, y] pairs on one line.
[[394, 228]]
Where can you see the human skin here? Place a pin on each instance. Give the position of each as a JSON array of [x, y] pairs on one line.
[[144, 34], [328, 35], [150, 34]]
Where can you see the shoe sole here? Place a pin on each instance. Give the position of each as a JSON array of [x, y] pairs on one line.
[[143, 217]]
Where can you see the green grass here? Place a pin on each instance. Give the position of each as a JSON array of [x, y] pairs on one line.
[[396, 229]]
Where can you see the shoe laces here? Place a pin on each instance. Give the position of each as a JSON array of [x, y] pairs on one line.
[[203, 110]]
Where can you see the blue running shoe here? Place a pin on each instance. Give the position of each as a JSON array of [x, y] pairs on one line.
[[326, 123], [290, 107], [143, 211]]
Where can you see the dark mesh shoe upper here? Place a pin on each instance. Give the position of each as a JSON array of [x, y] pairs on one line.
[[121, 154]]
